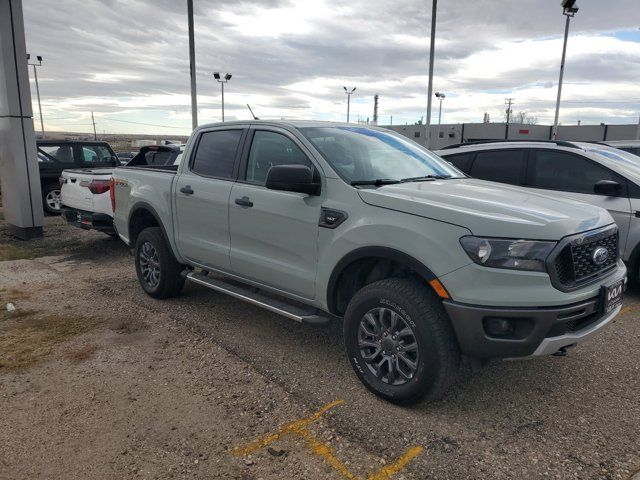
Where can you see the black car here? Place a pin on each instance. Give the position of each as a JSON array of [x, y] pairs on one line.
[[54, 156]]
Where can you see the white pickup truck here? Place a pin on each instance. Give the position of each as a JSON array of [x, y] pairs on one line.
[[85, 193]]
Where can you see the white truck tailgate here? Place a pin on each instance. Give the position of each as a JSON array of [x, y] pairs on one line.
[[75, 190]]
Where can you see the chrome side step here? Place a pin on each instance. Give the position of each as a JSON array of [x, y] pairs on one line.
[[299, 314]]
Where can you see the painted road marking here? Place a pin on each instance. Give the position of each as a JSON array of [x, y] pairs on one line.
[[625, 310], [299, 428]]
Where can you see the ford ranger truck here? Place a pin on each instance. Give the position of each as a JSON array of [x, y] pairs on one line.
[[424, 266]]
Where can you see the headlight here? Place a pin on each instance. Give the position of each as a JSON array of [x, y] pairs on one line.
[[513, 254]]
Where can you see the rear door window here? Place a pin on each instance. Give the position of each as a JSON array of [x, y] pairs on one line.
[[216, 153], [505, 166], [566, 172]]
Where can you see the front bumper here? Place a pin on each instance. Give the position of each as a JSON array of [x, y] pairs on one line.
[[538, 331], [88, 220]]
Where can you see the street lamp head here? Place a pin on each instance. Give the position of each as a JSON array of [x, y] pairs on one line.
[[227, 77], [353, 89], [216, 75], [39, 58], [345, 88], [569, 7], [28, 56]]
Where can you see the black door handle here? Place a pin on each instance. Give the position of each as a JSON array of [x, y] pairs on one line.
[[244, 202], [187, 189]]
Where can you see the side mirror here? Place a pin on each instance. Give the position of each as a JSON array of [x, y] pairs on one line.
[[292, 178], [609, 188]]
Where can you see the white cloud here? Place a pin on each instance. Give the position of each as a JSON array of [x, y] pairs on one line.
[[128, 59]]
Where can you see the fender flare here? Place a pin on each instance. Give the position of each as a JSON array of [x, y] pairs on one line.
[[140, 205], [379, 252]]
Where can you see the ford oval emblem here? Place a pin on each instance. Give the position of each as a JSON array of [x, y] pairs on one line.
[[600, 255]]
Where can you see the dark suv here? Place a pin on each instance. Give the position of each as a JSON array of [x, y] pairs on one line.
[[54, 156]]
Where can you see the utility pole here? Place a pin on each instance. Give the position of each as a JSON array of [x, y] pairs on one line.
[[391, 122], [638, 131], [508, 102], [432, 50], [95, 137], [192, 66], [375, 109]]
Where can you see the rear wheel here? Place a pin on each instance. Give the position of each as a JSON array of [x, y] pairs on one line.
[[400, 341], [158, 270], [51, 199]]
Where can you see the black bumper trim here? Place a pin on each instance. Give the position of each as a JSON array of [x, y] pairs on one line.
[[88, 220], [541, 323]]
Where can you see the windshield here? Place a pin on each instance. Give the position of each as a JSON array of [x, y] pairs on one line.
[[616, 154], [361, 154]]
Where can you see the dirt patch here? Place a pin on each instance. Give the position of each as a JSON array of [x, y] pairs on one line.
[[81, 353], [58, 239], [28, 336]]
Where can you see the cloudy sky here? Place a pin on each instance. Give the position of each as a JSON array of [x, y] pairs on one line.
[[127, 60]]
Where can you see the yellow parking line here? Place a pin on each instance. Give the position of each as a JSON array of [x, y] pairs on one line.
[[293, 427], [387, 472], [299, 427]]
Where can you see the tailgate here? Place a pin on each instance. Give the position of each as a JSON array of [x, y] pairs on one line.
[[75, 192]]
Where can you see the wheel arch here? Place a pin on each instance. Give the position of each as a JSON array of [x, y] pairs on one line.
[[141, 216], [366, 265]]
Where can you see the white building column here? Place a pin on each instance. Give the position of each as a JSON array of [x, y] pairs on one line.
[[19, 173]]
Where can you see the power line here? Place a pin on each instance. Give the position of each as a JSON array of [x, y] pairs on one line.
[[139, 123]]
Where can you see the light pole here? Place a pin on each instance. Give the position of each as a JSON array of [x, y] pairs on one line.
[[349, 93], [440, 96], [432, 50], [192, 66], [35, 76], [227, 77], [569, 9]]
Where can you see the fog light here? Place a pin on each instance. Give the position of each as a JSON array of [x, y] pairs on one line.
[[499, 327]]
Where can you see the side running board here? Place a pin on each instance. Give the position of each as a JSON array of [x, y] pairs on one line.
[[299, 314]]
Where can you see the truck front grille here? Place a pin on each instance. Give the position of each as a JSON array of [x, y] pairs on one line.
[[574, 264]]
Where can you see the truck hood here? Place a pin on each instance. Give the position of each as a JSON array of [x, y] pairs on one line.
[[490, 209]]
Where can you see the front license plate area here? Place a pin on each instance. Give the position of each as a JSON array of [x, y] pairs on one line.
[[612, 296]]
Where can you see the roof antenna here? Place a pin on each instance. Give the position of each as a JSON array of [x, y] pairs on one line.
[[254, 117]]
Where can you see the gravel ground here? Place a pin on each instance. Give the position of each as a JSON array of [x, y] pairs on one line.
[[160, 389]]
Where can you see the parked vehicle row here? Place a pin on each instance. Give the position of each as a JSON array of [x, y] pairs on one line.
[[85, 193], [588, 172], [54, 156], [426, 266]]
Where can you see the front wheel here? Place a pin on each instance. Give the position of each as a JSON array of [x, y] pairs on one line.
[[400, 341], [159, 273]]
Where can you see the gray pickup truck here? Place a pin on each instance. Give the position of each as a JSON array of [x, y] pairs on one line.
[[427, 269]]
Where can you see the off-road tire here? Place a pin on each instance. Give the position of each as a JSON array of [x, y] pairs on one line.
[[170, 281], [438, 362]]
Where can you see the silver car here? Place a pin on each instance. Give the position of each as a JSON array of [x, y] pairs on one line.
[[589, 172]]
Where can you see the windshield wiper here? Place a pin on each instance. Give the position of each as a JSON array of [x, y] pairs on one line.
[[377, 182], [425, 177]]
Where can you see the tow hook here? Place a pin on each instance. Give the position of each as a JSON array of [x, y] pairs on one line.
[[563, 352]]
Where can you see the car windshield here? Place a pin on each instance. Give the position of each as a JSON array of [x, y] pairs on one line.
[[361, 154], [616, 154]]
